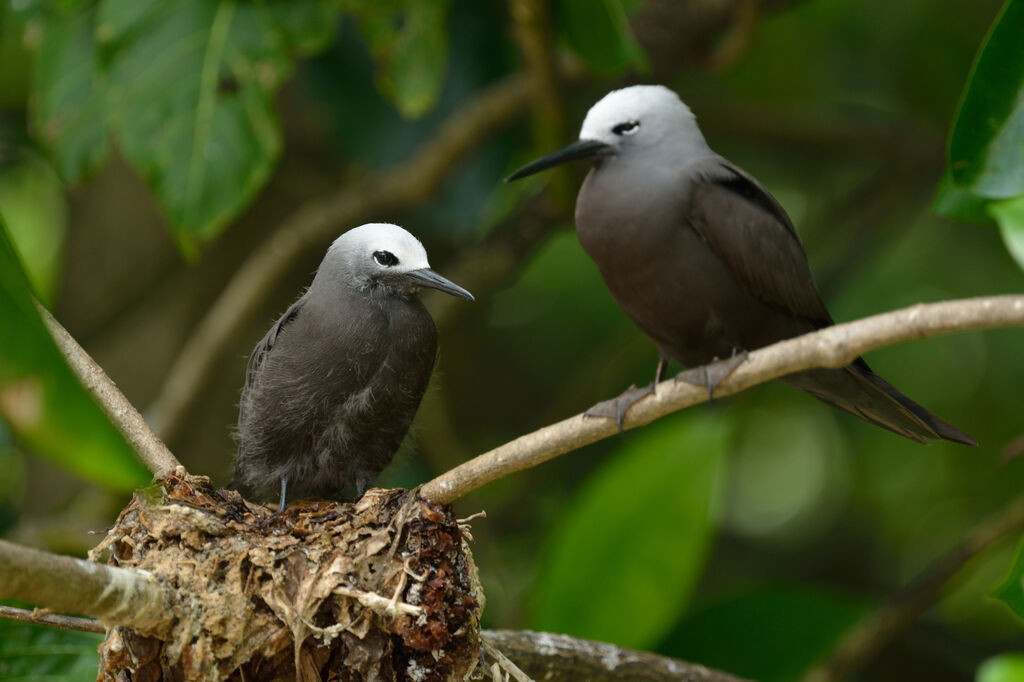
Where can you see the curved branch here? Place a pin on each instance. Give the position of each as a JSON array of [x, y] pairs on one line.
[[863, 641], [546, 656], [116, 596], [122, 413], [834, 347]]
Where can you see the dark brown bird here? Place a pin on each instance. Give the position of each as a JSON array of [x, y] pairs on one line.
[[703, 259], [331, 389]]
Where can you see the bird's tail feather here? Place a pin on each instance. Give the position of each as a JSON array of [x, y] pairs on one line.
[[863, 393]]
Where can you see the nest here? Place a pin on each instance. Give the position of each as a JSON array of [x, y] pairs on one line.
[[382, 589]]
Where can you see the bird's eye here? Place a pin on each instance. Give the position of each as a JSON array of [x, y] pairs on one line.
[[627, 128], [385, 258]]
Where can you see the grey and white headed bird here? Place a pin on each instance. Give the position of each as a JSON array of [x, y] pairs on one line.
[[702, 258], [331, 389]]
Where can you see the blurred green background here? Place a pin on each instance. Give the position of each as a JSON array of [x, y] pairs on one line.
[[148, 149]]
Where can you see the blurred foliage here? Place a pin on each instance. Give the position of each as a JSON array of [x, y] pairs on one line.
[[1005, 668], [1011, 591], [987, 141], [42, 401], [746, 534], [38, 653], [603, 580]]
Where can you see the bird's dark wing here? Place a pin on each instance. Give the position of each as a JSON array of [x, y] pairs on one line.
[[752, 235], [259, 353]]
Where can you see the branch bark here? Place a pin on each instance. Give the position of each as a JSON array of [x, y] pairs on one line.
[[122, 413], [116, 596], [52, 620], [551, 657], [866, 639], [833, 347]]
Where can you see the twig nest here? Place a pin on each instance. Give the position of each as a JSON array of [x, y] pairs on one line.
[[384, 588]]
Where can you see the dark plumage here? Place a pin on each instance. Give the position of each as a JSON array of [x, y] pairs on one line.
[[331, 389], [702, 258]]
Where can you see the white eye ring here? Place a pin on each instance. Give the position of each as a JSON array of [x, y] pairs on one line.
[[626, 128]]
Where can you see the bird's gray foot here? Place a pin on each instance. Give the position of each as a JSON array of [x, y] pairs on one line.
[[361, 485], [284, 497], [713, 373], [617, 407]]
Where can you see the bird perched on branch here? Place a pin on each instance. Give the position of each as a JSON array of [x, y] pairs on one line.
[[331, 389], [704, 260]]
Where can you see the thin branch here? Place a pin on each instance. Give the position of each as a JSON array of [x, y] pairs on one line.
[[116, 596], [551, 657], [122, 413], [834, 347], [863, 641], [52, 620], [319, 221]]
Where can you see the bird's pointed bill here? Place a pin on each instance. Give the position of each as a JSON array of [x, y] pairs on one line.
[[428, 278], [580, 149]]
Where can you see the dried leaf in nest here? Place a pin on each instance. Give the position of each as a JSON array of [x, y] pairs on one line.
[[384, 588]]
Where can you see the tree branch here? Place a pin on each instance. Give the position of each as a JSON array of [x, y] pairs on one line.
[[52, 620], [122, 413], [863, 641], [551, 657], [116, 596], [320, 220], [835, 346]]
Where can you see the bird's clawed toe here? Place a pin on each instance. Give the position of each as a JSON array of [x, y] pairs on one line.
[[713, 373], [617, 407]]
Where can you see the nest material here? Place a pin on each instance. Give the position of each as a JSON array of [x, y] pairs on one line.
[[382, 589]]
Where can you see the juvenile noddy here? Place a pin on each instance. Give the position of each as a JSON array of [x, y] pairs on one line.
[[704, 260], [331, 389]]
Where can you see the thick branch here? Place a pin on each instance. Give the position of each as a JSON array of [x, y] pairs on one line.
[[831, 347], [122, 413], [319, 221], [550, 657], [52, 620], [116, 596], [865, 639]]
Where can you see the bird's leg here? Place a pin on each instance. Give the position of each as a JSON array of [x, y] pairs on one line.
[[617, 407], [361, 485], [284, 496], [710, 375]]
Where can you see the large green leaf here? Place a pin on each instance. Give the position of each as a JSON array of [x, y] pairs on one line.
[[623, 561], [42, 401], [1009, 214], [34, 652], [1004, 668], [69, 94], [1011, 591], [599, 32], [986, 148], [771, 634], [409, 42]]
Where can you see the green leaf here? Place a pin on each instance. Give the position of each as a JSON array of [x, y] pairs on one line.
[[409, 41], [771, 634], [623, 561], [1002, 668], [955, 202], [1010, 216], [45, 406], [34, 652], [598, 31], [69, 95], [190, 96], [1011, 590], [32, 207], [986, 148]]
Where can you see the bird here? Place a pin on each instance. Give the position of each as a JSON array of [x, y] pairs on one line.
[[331, 388], [704, 260]]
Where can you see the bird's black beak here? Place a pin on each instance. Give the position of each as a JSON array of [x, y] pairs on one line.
[[428, 278], [580, 149]]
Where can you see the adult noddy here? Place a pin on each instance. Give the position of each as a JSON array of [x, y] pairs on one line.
[[704, 260], [331, 389]]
